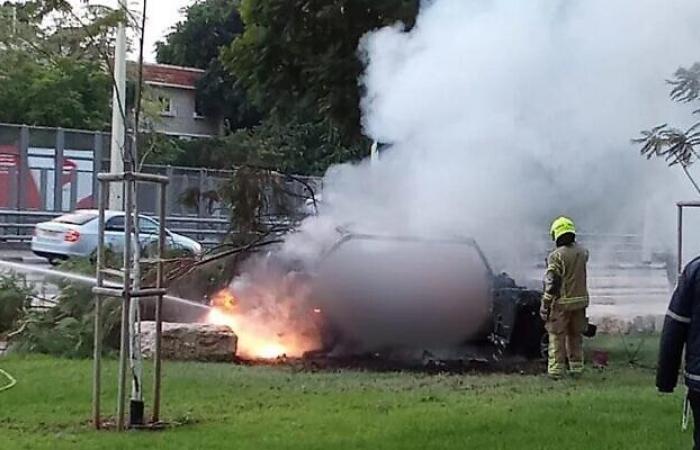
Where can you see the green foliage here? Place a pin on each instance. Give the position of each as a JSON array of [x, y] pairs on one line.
[[63, 93], [220, 95], [300, 59], [196, 42], [674, 145], [67, 329], [285, 407], [15, 297], [291, 146], [55, 72]]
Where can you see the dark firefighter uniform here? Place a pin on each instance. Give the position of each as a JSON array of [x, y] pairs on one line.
[[682, 330], [565, 299]]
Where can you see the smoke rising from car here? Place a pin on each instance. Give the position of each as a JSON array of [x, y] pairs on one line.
[[502, 115]]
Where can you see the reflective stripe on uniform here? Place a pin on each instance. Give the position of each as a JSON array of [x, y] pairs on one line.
[[691, 376], [572, 300], [677, 317]]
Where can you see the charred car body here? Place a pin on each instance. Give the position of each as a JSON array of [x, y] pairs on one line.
[[386, 294]]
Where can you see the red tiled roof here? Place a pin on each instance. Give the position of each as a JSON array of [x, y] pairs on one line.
[[186, 77]]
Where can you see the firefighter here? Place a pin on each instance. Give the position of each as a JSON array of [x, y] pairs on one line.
[[682, 330], [565, 299]]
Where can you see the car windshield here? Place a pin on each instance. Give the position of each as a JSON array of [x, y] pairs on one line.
[[76, 218]]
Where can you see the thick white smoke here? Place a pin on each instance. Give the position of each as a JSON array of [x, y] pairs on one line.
[[502, 115], [505, 114]]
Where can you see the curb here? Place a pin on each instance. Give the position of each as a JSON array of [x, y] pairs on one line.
[[24, 259]]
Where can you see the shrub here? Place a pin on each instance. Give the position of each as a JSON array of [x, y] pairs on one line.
[[15, 298]]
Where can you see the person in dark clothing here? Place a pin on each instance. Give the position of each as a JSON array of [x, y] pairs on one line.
[[682, 330]]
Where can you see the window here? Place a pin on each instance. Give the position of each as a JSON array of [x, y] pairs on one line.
[[166, 106], [148, 226], [198, 112], [115, 224]]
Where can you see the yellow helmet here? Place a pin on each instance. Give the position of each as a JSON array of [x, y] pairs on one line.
[[562, 226]]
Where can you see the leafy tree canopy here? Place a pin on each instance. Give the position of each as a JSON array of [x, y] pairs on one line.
[[55, 74], [676, 146], [197, 41], [301, 59]]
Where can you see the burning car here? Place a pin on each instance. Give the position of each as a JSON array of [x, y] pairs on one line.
[[383, 295]]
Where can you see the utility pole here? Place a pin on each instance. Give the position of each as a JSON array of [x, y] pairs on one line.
[[118, 145]]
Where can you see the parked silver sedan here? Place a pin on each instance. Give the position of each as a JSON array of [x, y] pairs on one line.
[[75, 234]]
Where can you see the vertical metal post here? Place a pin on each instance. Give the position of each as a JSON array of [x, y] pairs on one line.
[[680, 239], [103, 189], [201, 207], [23, 162], [169, 173], [43, 181], [73, 189], [159, 302], [96, 164], [14, 193], [123, 351], [58, 172]]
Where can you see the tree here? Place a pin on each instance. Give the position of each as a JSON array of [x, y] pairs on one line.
[[55, 75], [293, 147], [677, 146], [301, 59], [65, 93], [197, 41]]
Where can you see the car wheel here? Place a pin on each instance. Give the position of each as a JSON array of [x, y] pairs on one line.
[[54, 261]]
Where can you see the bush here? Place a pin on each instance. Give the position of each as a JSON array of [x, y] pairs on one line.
[[68, 328], [15, 298]]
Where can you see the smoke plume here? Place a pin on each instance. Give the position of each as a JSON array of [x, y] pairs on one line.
[[502, 115]]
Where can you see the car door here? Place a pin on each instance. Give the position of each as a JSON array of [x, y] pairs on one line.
[[148, 232], [114, 233]]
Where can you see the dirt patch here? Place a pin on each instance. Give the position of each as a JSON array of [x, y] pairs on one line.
[[428, 364]]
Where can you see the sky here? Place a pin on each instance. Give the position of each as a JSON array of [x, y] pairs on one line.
[[161, 15]]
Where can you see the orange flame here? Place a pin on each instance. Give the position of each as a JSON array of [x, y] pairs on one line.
[[265, 331]]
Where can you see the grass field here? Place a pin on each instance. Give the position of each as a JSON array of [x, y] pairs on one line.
[[225, 406]]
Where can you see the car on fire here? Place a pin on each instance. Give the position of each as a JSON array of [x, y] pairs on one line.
[[429, 294], [75, 235]]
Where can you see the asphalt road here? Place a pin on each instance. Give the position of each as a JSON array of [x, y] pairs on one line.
[[42, 287]]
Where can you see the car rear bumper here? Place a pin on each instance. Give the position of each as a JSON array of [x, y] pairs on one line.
[[59, 248]]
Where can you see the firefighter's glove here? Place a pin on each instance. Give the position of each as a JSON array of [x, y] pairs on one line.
[[545, 310]]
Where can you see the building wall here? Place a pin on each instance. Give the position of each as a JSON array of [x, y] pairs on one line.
[[181, 119]]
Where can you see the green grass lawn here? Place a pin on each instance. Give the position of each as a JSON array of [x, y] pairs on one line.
[[227, 406]]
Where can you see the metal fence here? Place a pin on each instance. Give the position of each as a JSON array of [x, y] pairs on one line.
[[47, 171]]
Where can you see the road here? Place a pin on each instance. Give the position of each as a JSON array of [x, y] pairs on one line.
[[625, 292], [42, 287]]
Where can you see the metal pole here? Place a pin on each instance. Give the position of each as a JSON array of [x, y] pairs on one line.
[[680, 239], [159, 303], [123, 351], [96, 164], [97, 357], [58, 171], [118, 149], [24, 173]]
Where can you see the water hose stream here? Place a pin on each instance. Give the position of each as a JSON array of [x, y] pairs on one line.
[[10, 378]]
